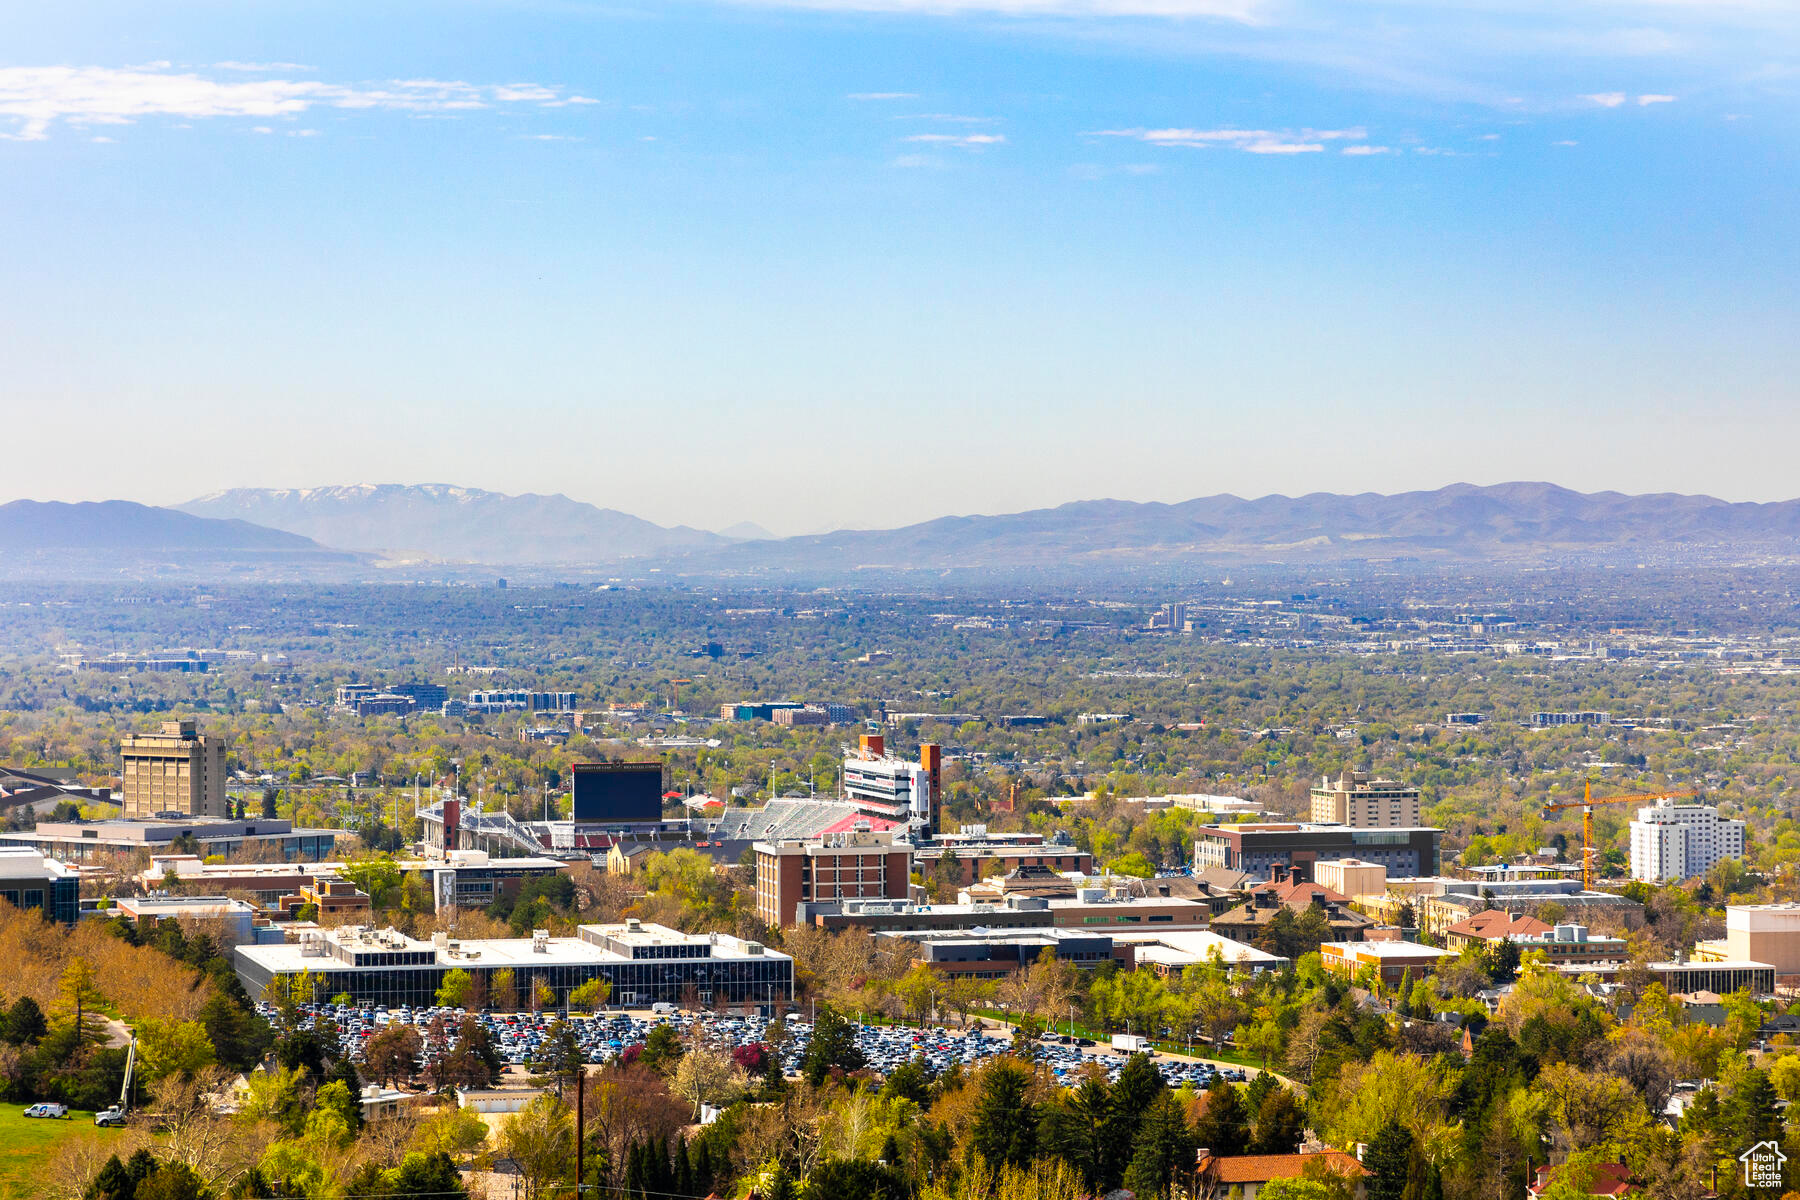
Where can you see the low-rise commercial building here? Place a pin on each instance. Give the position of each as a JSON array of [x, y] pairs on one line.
[[1686, 977], [1351, 876], [973, 854], [233, 918], [995, 954], [1259, 847], [36, 882], [1767, 933], [1391, 961], [645, 964], [1294, 896], [1170, 952], [78, 841]]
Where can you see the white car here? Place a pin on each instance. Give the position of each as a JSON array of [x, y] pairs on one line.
[[52, 1111]]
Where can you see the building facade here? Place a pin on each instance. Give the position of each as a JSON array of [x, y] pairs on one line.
[[1353, 798], [32, 881], [860, 865], [1255, 849], [175, 771], [1671, 842], [645, 964]]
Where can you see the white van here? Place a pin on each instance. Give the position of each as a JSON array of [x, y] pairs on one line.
[[663, 1008], [48, 1110]]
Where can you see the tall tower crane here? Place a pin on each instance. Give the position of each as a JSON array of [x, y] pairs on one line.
[[1590, 857]]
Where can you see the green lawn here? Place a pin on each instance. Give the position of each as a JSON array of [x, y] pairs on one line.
[[26, 1144]]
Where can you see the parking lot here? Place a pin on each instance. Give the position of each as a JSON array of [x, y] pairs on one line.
[[521, 1039]]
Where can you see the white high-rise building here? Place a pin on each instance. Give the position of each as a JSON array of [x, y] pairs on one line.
[[1671, 842]]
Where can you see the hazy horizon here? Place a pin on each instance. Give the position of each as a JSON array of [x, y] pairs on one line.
[[829, 264]]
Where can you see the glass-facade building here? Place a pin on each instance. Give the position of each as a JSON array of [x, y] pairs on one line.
[[645, 964]]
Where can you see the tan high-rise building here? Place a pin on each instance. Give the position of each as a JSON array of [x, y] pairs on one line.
[[175, 771], [1357, 800]]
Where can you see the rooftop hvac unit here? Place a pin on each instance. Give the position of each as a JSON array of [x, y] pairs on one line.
[[540, 941], [633, 924], [753, 947]]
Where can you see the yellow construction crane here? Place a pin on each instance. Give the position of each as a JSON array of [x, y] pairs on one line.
[[1590, 857]]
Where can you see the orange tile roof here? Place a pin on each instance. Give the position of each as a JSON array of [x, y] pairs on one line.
[[1260, 1168], [1496, 923]]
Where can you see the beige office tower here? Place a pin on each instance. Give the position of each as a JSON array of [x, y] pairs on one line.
[[175, 771], [1355, 799]]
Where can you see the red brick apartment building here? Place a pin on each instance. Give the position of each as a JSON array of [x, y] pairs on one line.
[[859, 865]]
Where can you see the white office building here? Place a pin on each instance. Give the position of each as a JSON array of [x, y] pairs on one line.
[[1671, 842]]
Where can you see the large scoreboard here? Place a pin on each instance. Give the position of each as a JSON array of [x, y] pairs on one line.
[[623, 791]]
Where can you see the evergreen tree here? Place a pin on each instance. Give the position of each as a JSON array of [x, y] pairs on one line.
[[1004, 1130], [833, 1044], [1078, 1127], [1280, 1124], [25, 1024], [852, 1179], [780, 1185], [1389, 1162], [1140, 1083], [1224, 1127], [1163, 1151]]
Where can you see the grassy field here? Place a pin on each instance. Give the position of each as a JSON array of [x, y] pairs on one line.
[[26, 1144]]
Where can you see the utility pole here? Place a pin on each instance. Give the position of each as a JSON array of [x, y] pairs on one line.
[[580, 1120]]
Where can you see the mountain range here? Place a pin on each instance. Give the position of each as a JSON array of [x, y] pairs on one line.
[[370, 528], [33, 527], [440, 523]]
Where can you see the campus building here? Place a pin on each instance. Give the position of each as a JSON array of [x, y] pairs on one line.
[[645, 964], [1391, 961], [80, 841], [176, 771], [1768, 933], [863, 864], [1353, 798], [1254, 849], [30, 880], [997, 953]]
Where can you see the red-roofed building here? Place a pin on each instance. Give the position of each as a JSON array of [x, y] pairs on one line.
[[1605, 1179], [1492, 926], [1248, 1174], [1297, 895]]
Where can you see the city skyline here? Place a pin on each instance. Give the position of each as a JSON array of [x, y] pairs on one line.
[[686, 260]]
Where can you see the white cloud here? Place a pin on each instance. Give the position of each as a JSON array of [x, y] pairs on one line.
[[1566, 142], [102, 141], [1364, 149], [548, 137], [262, 129], [37, 98], [967, 142], [1606, 99], [1654, 98], [1250, 141], [867, 96]]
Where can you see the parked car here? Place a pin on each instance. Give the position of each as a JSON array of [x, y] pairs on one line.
[[58, 1112]]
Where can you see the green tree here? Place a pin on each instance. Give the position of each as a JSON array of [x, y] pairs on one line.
[[541, 1138], [25, 1024], [1389, 1162], [853, 1179], [592, 995], [1223, 1127], [833, 1044], [455, 989], [662, 1049], [1004, 1129], [1280, 1123], [166, 1048], [1163, 1151]]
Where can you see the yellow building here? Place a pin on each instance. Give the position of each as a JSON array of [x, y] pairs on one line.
[[174, 771]]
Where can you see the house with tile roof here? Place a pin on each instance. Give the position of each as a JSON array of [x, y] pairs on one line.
[[1248, 1174]]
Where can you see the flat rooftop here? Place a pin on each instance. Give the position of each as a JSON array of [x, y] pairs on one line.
[[320, 951], [1389, 950]]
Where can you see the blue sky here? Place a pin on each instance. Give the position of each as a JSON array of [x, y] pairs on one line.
[[861, 262]]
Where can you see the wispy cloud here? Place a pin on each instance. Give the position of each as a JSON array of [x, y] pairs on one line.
[[1616, 99], [1655, 98], [869, 96], [966, 141], [38, 98], [1606, 99], [1363, 148], [1250, 141]]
